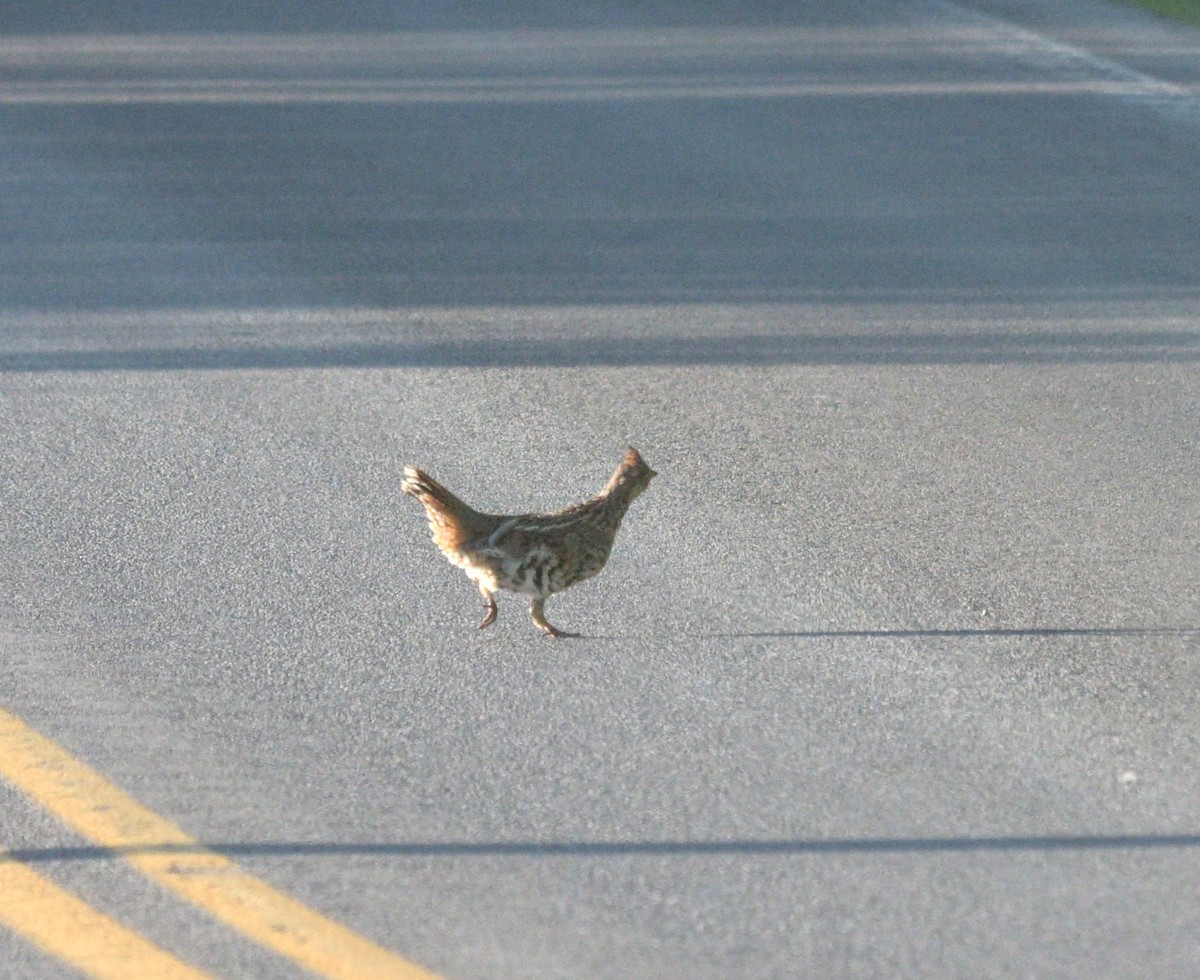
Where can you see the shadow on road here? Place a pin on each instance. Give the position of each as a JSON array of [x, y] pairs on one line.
[[663, 848], [1180, 346]]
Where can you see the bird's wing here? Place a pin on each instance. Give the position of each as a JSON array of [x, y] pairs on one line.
[[515, 538]]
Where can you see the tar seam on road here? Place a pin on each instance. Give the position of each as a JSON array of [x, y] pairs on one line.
[[71, 930], [108, 817], [541, 90]]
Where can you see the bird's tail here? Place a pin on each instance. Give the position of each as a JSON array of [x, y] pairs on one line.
[[419, 484], [451, 520]]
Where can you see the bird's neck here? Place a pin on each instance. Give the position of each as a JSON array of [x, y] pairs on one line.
[[610, 505]]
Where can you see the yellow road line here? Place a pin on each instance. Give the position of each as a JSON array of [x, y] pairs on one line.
[[163, 852], [70, 929]]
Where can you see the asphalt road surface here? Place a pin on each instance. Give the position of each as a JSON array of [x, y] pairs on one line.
[[894, 669]]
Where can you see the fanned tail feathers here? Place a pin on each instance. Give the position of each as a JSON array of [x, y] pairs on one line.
[[451, 520]]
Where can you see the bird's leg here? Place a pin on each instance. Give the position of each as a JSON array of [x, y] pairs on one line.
[[537, 611], [489, 600]]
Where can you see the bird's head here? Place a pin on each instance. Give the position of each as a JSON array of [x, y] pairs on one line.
[[634, 474]]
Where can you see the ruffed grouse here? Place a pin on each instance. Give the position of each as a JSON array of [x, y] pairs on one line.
[[537, 554]]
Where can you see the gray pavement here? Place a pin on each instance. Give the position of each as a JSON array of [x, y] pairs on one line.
[[893, 671]]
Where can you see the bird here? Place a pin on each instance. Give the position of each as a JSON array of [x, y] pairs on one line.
[[534, 554]]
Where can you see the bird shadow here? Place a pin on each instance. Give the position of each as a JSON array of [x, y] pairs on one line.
[[1032, 632], [961, 633]]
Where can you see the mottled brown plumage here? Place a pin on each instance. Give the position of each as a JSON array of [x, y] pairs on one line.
[[536, 554]]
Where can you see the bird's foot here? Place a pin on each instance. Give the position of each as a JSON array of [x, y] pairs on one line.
[[490, 616], [537, 612], [558, 634]]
